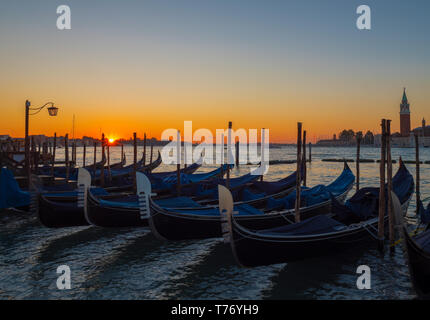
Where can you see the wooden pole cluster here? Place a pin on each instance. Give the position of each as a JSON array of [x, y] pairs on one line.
[[382, 186], [298, 175], [310, 152], [304, 159], [358, 137]]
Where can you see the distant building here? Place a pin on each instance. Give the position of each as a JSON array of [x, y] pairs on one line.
[[4, 137], [405, 116], [406, 137], [332, 142], [423, 131]]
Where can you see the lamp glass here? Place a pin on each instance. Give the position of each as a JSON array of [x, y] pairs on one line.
[[52, 111]]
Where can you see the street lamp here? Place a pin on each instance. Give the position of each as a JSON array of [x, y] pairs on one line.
[[52, 111]]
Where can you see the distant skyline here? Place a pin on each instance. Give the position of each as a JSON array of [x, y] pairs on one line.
[[146, 66]]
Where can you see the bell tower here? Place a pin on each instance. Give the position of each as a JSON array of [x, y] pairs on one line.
[[405, 116]]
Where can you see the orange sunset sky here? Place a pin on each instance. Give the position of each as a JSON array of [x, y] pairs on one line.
[[149, 66]]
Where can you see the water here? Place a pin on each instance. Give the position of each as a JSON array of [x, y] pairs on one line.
[[132, 264]]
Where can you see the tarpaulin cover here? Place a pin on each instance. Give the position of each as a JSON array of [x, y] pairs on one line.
[[243, 209], [167, 182], [315, 225], [423, 240], [210, 188], [314, 195], [11, 195], [272, 187], [131, 201], [424, 213], [177, 202], [74, 193], [364, 204]]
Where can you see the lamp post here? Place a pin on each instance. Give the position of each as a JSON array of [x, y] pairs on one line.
[[52, 111]]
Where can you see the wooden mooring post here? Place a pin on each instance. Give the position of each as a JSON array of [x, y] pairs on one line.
[[122, 155], [298, 174], [237, 154], [178, 163], [144, 149], [304, 159], [152, 151], [102, 167], [263, 156], [391, 235], [358, 138], [108, 160], [95, 158], [417, 172], [227, 183], [84, 156], [134, 159], [382, 187], [66, 155], [54, 147]]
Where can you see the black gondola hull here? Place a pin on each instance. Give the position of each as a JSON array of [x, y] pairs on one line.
[[176, 226], [419, 267], [253, 252], [60, 214], [113, 217], [252, 249]]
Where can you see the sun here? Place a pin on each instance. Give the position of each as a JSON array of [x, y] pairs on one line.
[[111, 140]]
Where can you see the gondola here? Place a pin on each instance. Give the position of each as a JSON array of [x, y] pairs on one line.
[[165, 184], [123, 211], [252, 192], [203, 223], [418, 254], [11, 195], [60, 171], [349, 225], [59, 208]]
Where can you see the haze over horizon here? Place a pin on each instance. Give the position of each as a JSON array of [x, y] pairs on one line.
[[148, 66]]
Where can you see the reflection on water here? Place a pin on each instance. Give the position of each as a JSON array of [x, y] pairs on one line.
[[131, 263]]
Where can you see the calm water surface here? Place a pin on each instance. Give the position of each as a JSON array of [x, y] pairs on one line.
[[132, 264]]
